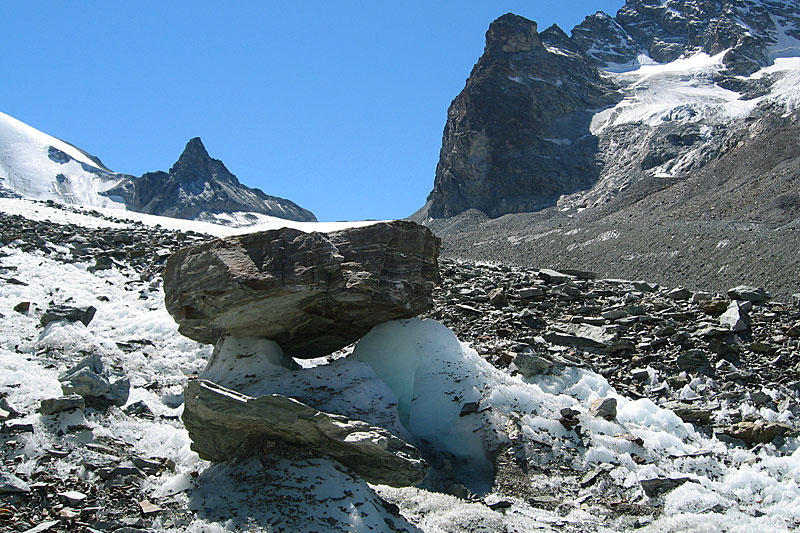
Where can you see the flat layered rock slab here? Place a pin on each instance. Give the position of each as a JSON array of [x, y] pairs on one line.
[[312, 293], [224, 424], [581, 336]]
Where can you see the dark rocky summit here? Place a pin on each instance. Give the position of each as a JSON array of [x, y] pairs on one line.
[[197, 187], [517, 137], [313, 293]]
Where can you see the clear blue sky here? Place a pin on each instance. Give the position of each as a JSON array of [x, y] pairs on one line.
[[338, 106]]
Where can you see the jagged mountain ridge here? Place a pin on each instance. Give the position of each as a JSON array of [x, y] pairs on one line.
[[724, 67], [198, 187], [751, 33], [38, 166]]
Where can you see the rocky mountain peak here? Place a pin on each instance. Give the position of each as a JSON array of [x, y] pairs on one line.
[[201, 187], [195, 151], [524, 107], [195, 163], [511, 33]]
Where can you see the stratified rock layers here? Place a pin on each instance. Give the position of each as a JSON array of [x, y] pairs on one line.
[[224, 424], [312, 293]]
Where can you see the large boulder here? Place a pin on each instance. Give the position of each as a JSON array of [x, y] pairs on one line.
[[224, 424], [313, 293]]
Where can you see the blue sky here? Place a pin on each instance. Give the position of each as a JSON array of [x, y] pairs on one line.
[[338, 106]]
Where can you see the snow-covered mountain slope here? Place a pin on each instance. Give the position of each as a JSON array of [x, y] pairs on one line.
[[38, 166], [678, 117]]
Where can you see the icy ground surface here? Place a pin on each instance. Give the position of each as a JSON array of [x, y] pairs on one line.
[[413, 377], [105, 217]]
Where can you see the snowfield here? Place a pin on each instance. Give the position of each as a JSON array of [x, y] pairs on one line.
[[684, 90], [36, 165], [411, 376]]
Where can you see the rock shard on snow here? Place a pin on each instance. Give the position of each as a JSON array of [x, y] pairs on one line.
[[312, 293], [224, 424]]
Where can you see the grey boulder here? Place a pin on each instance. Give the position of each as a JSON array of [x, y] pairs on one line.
[[312, 293], [11, 484], [735, 317], [90, 380], [224, 424], [56, 313], [750, 294], [583, 336]]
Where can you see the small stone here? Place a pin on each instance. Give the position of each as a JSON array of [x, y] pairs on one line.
[[469, 310], [469, 408], [532, 364], [500, 504], [656, 486], [530, 292], [640, 374], [121, 470], [56, 313], [11, 484], [762, 347], [700, 296], [644, 286], [692, 360], [23, 307], [139, 409], [554, 277], [690, 413], [735, 318], [758, 432], [73, 498], [714, 307], [18, 427], [498, 298], [459, 490], [148, 508], [51, 406], [42, 527], [580, 274], [604, 408], [679, 293], [760, 398], [591, 477]]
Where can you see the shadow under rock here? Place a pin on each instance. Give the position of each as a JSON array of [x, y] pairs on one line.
[[288, 490]]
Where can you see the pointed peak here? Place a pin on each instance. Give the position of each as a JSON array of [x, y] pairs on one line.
[[193, 155], [195, 147]]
